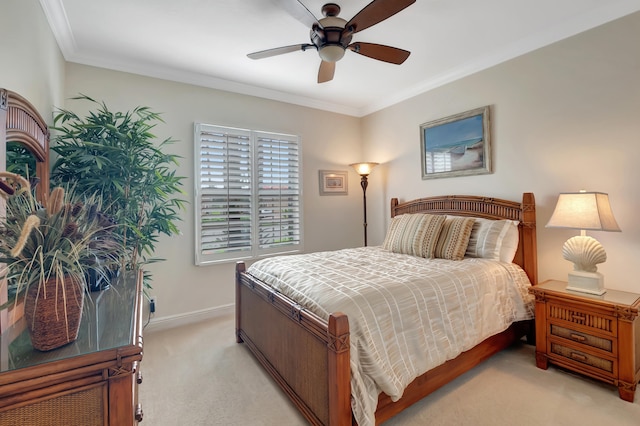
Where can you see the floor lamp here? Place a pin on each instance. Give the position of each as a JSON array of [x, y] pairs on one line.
[[363, 169]]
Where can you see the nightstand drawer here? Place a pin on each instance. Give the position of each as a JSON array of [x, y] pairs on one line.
[[589, 320], [576, 356], [582, 338]]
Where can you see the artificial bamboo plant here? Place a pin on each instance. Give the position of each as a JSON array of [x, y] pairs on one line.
[[115, 155]]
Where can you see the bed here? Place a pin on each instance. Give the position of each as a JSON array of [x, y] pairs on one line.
[[309, 356]]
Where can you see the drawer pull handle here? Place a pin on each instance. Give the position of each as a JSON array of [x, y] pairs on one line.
[[578, 337], [578, 356], [139, 413], [139, 377]]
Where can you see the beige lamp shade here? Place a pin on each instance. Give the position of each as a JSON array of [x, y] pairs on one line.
[[584, 210], [363, 169]]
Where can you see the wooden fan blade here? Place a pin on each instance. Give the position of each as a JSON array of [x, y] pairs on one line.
[[326, 71], [380, 52], [299, 11], [377, 11], [279, 51]]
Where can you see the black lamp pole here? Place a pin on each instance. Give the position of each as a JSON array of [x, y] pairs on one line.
[[364, 183], [363, 169]]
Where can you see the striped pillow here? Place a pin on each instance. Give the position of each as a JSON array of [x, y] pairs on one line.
[[414, 234], [488, 236], [454, 238]]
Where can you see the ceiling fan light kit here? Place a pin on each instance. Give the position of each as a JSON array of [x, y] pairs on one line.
[[331, 53], [331, 36]]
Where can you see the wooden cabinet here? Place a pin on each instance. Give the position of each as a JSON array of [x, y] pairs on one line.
[[92, 381], [598, 336]]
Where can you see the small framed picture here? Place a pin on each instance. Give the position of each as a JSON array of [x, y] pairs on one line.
[[333, 182]]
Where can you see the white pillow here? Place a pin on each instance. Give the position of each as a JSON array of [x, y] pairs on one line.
[[510, 242], [493, 239]]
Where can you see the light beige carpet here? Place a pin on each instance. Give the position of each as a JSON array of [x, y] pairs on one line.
[[197, 375]]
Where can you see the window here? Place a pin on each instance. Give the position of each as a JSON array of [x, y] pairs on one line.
[[248, 194]]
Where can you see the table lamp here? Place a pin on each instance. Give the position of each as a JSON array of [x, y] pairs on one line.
[[585, 211]]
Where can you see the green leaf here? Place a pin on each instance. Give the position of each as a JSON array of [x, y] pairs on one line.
[[117, 155]]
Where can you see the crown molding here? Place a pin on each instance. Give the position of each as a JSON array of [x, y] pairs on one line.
[[57, 18]]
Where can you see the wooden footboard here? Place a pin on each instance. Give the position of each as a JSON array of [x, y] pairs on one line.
[[307, 356]]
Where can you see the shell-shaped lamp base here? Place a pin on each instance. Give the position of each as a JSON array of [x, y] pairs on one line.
[[585, 252]]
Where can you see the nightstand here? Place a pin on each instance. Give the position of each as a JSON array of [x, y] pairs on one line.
[[598, 336]]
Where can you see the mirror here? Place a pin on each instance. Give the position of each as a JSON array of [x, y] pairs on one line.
[[20, 161], [25, 136]]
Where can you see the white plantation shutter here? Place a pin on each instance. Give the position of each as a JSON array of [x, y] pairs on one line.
[[248, 188], [278, 191]]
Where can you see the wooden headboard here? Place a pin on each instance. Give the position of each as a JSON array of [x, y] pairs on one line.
[[21, 122], [489, 208]]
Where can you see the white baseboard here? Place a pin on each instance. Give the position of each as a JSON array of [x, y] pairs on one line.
[[171, 321]]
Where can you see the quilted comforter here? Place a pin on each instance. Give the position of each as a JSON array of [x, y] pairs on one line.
[[406, 314]]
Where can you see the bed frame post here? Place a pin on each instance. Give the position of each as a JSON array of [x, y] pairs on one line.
[[340, 370], [528, 221], [394, 204], [240, 269]]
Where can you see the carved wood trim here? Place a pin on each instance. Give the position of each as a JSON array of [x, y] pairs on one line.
[[24, 124], [462, 205], [624, 386], [539, 296], [3, 99], [296, 311], [625, 313], [339, 343], [116, 371]]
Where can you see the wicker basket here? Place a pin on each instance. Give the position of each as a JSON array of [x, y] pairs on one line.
[[53, 312]]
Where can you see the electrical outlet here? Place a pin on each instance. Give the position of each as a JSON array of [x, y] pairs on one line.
[[152, 304]]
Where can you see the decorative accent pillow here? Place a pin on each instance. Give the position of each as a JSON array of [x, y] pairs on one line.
[[415, 234], [454, 238], [489, 236], [510, 242]]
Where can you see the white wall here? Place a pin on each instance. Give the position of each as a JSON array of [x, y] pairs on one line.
[[329, 141], [564, 118], [30, 61]]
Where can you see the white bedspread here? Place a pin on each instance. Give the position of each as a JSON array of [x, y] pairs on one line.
[[406, 314]]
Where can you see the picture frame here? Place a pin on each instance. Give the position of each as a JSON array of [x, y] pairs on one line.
[[458, 145], [333, 182]]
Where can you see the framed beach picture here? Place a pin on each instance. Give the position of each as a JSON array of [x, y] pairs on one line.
[[458, 145], [333, 182]]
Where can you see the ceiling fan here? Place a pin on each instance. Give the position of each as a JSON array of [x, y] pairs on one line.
[[331, 36]]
